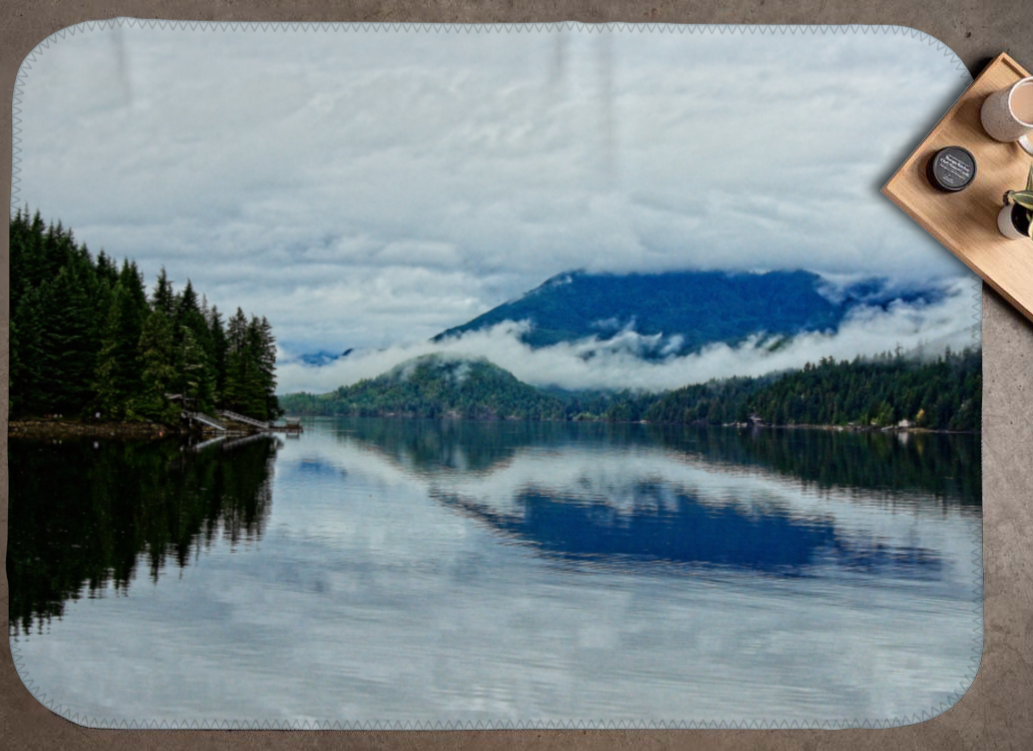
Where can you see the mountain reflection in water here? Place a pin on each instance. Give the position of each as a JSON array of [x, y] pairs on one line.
[[684, 530], [660, 524]]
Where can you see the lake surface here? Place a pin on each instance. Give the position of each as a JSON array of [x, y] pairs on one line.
[[382, 571]]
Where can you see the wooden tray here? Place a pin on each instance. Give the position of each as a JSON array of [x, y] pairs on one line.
[[966, 222]]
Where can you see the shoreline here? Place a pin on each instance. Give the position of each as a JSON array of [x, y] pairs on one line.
[[51, 427], [842, 428], [739, 426], [67, 427]]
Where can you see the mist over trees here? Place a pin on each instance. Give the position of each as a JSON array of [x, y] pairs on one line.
[[944, 393], [87, 339]]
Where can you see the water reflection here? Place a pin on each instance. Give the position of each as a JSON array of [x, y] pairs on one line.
[[644, 498], [671, 525], [422, 571], [83, 512], [935, 465]]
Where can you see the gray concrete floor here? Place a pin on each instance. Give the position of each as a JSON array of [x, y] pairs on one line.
[[997, 711]]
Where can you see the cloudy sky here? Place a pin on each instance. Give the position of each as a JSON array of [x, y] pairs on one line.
[[370, 189]]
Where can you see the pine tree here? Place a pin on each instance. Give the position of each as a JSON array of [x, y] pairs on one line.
[[234, 396], [68, 342], [190, 368], [21, 262], [266, 357], [58, 249], [254, 400], [111, 400], [132, 279], [164, 299], [117, 381], [158, 356], [107, 269], [186, 306], [190, 316], [27, 356], [220, 347]]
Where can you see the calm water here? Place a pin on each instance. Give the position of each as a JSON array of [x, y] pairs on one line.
[[381, 571]]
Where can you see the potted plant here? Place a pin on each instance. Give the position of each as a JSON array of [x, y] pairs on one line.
[[1015, 219]]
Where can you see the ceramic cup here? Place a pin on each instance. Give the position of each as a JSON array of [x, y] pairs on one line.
[[1007, 114]]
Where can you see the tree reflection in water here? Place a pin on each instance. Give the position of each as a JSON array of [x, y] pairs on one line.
[[83, 512], [940, 466]]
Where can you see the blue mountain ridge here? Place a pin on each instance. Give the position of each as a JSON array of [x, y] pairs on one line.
[[322, 357], [688, 309]]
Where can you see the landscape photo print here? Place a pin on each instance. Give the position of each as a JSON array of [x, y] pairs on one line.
[[521, 376]]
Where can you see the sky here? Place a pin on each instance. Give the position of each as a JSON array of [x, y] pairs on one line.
[[369, 189]]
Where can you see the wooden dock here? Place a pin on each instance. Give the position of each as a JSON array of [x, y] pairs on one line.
[[209, 423], [206, 422], [293, 424]]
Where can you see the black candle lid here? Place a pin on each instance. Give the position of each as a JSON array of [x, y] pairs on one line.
[[951, 169]]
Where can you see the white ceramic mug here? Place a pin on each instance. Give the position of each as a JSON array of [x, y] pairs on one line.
[[1007, 115]]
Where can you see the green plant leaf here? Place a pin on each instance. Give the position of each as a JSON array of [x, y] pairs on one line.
[[1023, 198], [1029, 179]]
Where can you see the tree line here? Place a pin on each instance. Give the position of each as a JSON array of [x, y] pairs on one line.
[[85, 338], [944, 393]]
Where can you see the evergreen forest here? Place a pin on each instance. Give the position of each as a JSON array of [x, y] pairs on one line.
[[944, 393], [85, 338]]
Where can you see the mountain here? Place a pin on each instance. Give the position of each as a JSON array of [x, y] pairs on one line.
[[322, 357], [436, 386], [684, 311]]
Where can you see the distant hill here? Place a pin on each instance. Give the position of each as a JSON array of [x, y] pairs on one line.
[[690, 309], [436, 386]]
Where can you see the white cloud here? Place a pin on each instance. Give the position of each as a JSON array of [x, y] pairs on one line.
[[617, 363], [330, 181]]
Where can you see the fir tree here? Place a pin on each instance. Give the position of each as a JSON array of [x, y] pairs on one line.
[[117, 381], [189, 316], [191, 371], [265, 354], [159, 358], [69, 346], [235, 393], [107, 269], [220, 347], [164, 299], [27, 356]]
